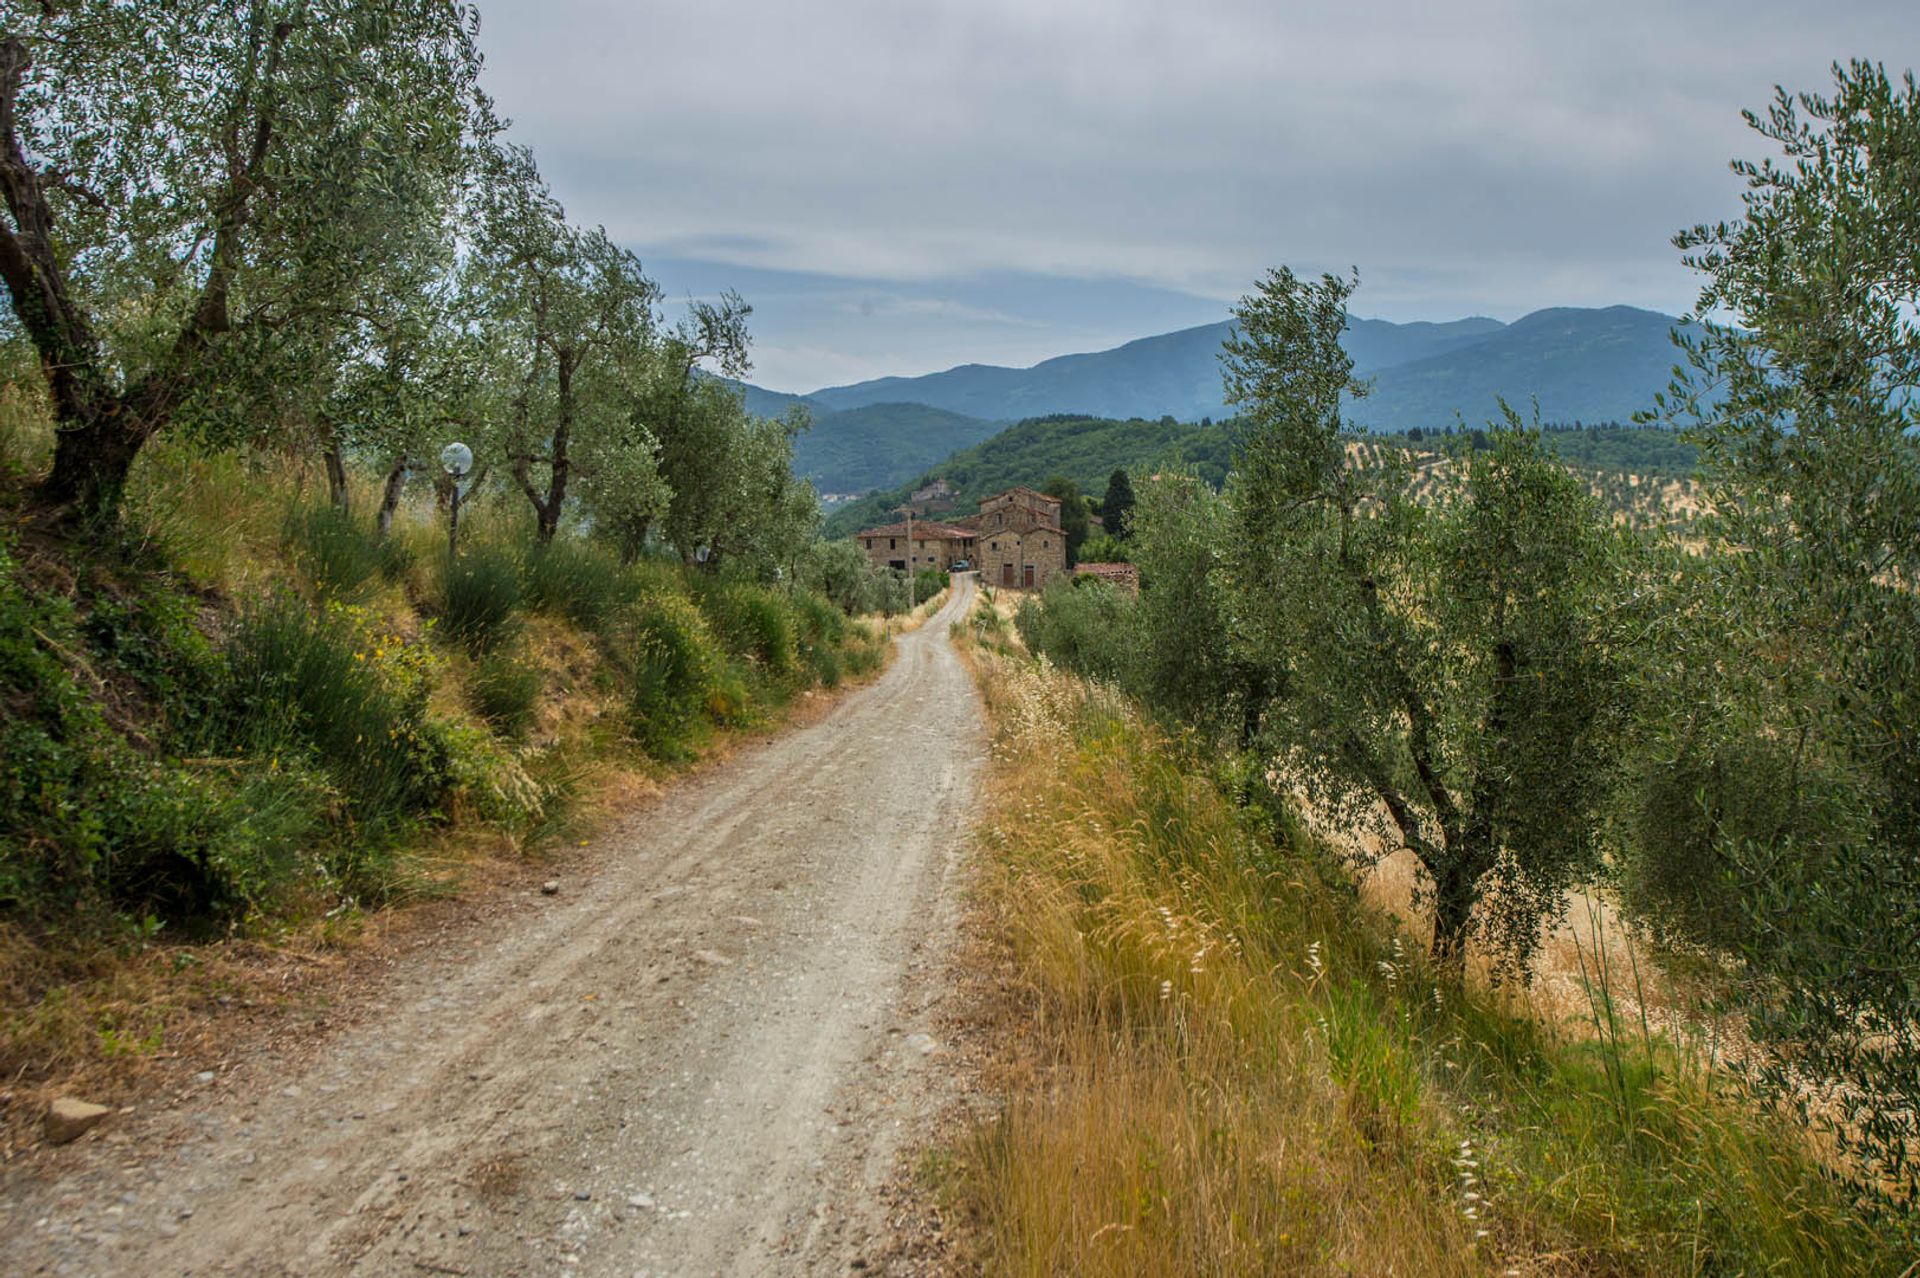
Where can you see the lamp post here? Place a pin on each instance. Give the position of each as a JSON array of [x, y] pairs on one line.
[[456, 459]]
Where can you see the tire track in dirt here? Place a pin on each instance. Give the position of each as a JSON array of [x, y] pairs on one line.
[[705, 1058]]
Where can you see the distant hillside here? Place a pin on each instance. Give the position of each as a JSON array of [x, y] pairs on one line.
[[881, 445], [762, 402], [1088, 450], [1176, 373], [1085, 449], [1578, 364], [1582, 365]]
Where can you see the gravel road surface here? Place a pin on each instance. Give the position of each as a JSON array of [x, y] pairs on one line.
[[705, 1055]]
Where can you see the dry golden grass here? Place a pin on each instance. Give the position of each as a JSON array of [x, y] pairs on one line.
[[1212, 1058], [1182, 1119]]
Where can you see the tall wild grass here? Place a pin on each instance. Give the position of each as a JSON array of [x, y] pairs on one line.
[[1216, 1061]]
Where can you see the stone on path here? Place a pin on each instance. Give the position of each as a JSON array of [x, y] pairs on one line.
[[69, 1119]]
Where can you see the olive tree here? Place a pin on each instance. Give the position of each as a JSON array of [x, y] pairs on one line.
[[1440, 672], [165, 169], [570, 320], [730, 473], [1782, 822]]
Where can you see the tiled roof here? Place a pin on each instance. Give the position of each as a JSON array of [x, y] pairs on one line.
[[923, 529], [1022, 488]]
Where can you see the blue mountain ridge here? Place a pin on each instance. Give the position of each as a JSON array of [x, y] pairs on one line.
[[1575, 363]]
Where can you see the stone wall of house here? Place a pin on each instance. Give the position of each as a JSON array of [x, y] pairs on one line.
[[1020, 560], [892, 549]]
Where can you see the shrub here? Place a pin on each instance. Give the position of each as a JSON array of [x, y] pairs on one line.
[[571, 578], [85, 814], [929, 582], [821, 629], [193, 843], [150, 636], [327, 684], [480, 591], [503, 689], [861, 656], [1081, 625], [671, 651], [841, 571], [339, 558], [754, 622], [397, 557], [730, 702], [820, 622]]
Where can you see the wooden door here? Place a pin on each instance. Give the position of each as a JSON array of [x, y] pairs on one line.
[[1026, 576], [1006, 574]]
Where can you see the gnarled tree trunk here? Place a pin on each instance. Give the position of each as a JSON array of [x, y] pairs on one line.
[[100, 428], [390, 494]]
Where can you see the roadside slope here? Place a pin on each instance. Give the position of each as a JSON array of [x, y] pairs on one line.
[[703, 1059]]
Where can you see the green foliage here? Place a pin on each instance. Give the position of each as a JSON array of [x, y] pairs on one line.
[[1104, 550], [929, 582], [881, 445], [1789, 835], [1116, 509], [842, 572], [85, 813], [571, 578], [1073, 513], [480, 598], [754, 622], [822, 630], [1185, 664], [1082, 449], [505, 689], [671, 656], [1439, 664], [330, 686], [354, 119], [1643, 449], [338, 557], [1082, 625], [571, 319]]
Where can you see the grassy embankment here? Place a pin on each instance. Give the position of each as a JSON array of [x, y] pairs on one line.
[[239, 727], [1215, 1059]]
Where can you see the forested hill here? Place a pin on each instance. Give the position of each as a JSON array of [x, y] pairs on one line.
[[1577, 364], [879, 445], [1580, 365], [1173, 373], [1088, 450], [1084, 449]]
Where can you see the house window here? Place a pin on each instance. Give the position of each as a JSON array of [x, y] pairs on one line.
[[998, 520], [1047, 545], [993, 545], [892, 544]]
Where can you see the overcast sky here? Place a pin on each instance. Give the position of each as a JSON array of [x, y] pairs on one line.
[[898, 186]]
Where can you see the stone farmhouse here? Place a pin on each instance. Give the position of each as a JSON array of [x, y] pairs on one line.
[[925, 545], [1015, 541], [1020, 543]]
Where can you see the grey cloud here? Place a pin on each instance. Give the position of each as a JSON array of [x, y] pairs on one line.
[[1477, 155]]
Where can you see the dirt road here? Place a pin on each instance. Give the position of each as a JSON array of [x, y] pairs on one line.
[[703, 1057]]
